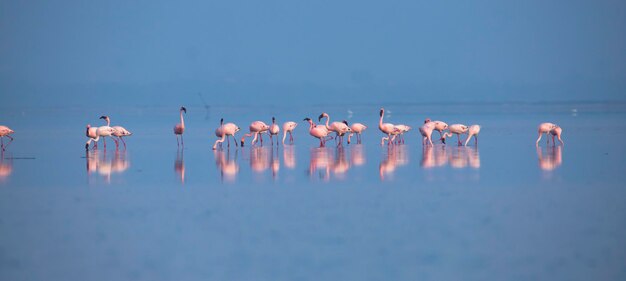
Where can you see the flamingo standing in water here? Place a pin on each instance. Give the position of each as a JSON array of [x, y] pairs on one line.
[[357, 128], [401, 129], [556, 132], [5, 132], [340, 128], [472, 131], [545, 128], [386, 128], [456, 129], [440, 126], [120, 132], [179, 129], [317, 131], [92, 134], [257, 128], [288, 126], [274, 129], [104, 131], [427, 130], [224, 131]]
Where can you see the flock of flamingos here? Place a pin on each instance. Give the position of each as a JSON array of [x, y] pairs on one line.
[[393, 133]]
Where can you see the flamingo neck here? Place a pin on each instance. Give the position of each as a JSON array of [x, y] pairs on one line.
[[380, 122], [312, 125], [327, 120], [182, 120]]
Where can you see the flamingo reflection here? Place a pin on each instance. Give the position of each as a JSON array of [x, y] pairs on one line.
[[6, 168], [357, 156], [105, 166], [179, 165], [289, 157], [228, 167], [457, 157], [326, 160], [395, 157], [552, 159]]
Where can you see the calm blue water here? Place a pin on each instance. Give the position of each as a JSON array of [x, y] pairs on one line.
[[503, 210]]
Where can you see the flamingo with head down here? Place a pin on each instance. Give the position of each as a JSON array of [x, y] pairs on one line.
[[257, 128], [357, 128], [318, 131], [288, 127], [5, 132], [224, 131]]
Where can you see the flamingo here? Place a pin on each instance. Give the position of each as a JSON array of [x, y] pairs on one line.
[[91, 133], [120, 133], [472, 131], [401, 129], [340, 128], [386, 128], [456, 129], [357, 128], [545, 128], [288, 126], [440, 126], [427, 130], [317, 131], [256, 128], [556, 132], [5, 132], [274, 129], [179, 129], [104, 131], [224, 131]]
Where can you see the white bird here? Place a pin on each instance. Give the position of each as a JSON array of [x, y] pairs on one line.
[[340, 128], [120, 132], [401, 129], [456, 129], [225, 131], [91, 133], [357, 128], [426, 131], [288, 127], [544, 128], [386, 128], [472, 131], [104, 131]]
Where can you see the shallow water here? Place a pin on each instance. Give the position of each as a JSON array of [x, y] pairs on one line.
[[502, 210]]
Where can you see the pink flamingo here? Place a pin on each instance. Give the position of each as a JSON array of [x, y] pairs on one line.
[[472, 131], [5, 132], [92, 134], [556, 132], [274, 129], [427, 130], [340, 128], [257, 128], [120, 132], [357, 128], [104, 131], [318, 131], [288, 127], [224, 131], [440, 126], [386, 128], [544, 128], [456, 129], [179, 129], [401, 129]]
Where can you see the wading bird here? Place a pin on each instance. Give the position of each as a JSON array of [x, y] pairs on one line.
[[472, 131], [257, 128], [224, 131], [356, 128], [386, 128], [91, 133], [179, 129], [340, 128], [120, 132], [556, 132], [544, 128], [288, 127], [456, 129], [401, 129], [426, 131], [318, 131], [104, 131], [5, 132], [274, 129]]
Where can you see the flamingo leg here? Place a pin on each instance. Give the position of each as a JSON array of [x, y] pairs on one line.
[[290, 137], [476, 140], [124, 142], [538, 139], [182, 142]]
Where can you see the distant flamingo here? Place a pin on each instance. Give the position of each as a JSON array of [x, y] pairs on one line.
[[427, 130], [545, 128], [91, 133], [401, 129], [340, 128], [386, 128], [456, 129], [179, 129], [257, 128], [357, 128], [472, 131], [120, 133], [440, 126], [556, 132], [104, 131], [318, 131], [274, 129], [5, 132], [224, 131], [288, 127]]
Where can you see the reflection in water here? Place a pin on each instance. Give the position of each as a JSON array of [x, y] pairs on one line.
[[357, 156], [396, 156], [289, 156], [552, 159], [6, 168], [323, 162], [104, 165], [179, 165], [457, 157], [228, 167]]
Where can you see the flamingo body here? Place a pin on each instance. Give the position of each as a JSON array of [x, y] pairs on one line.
[[288, 127], [356, 128], [473, 130], [5, 132]]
